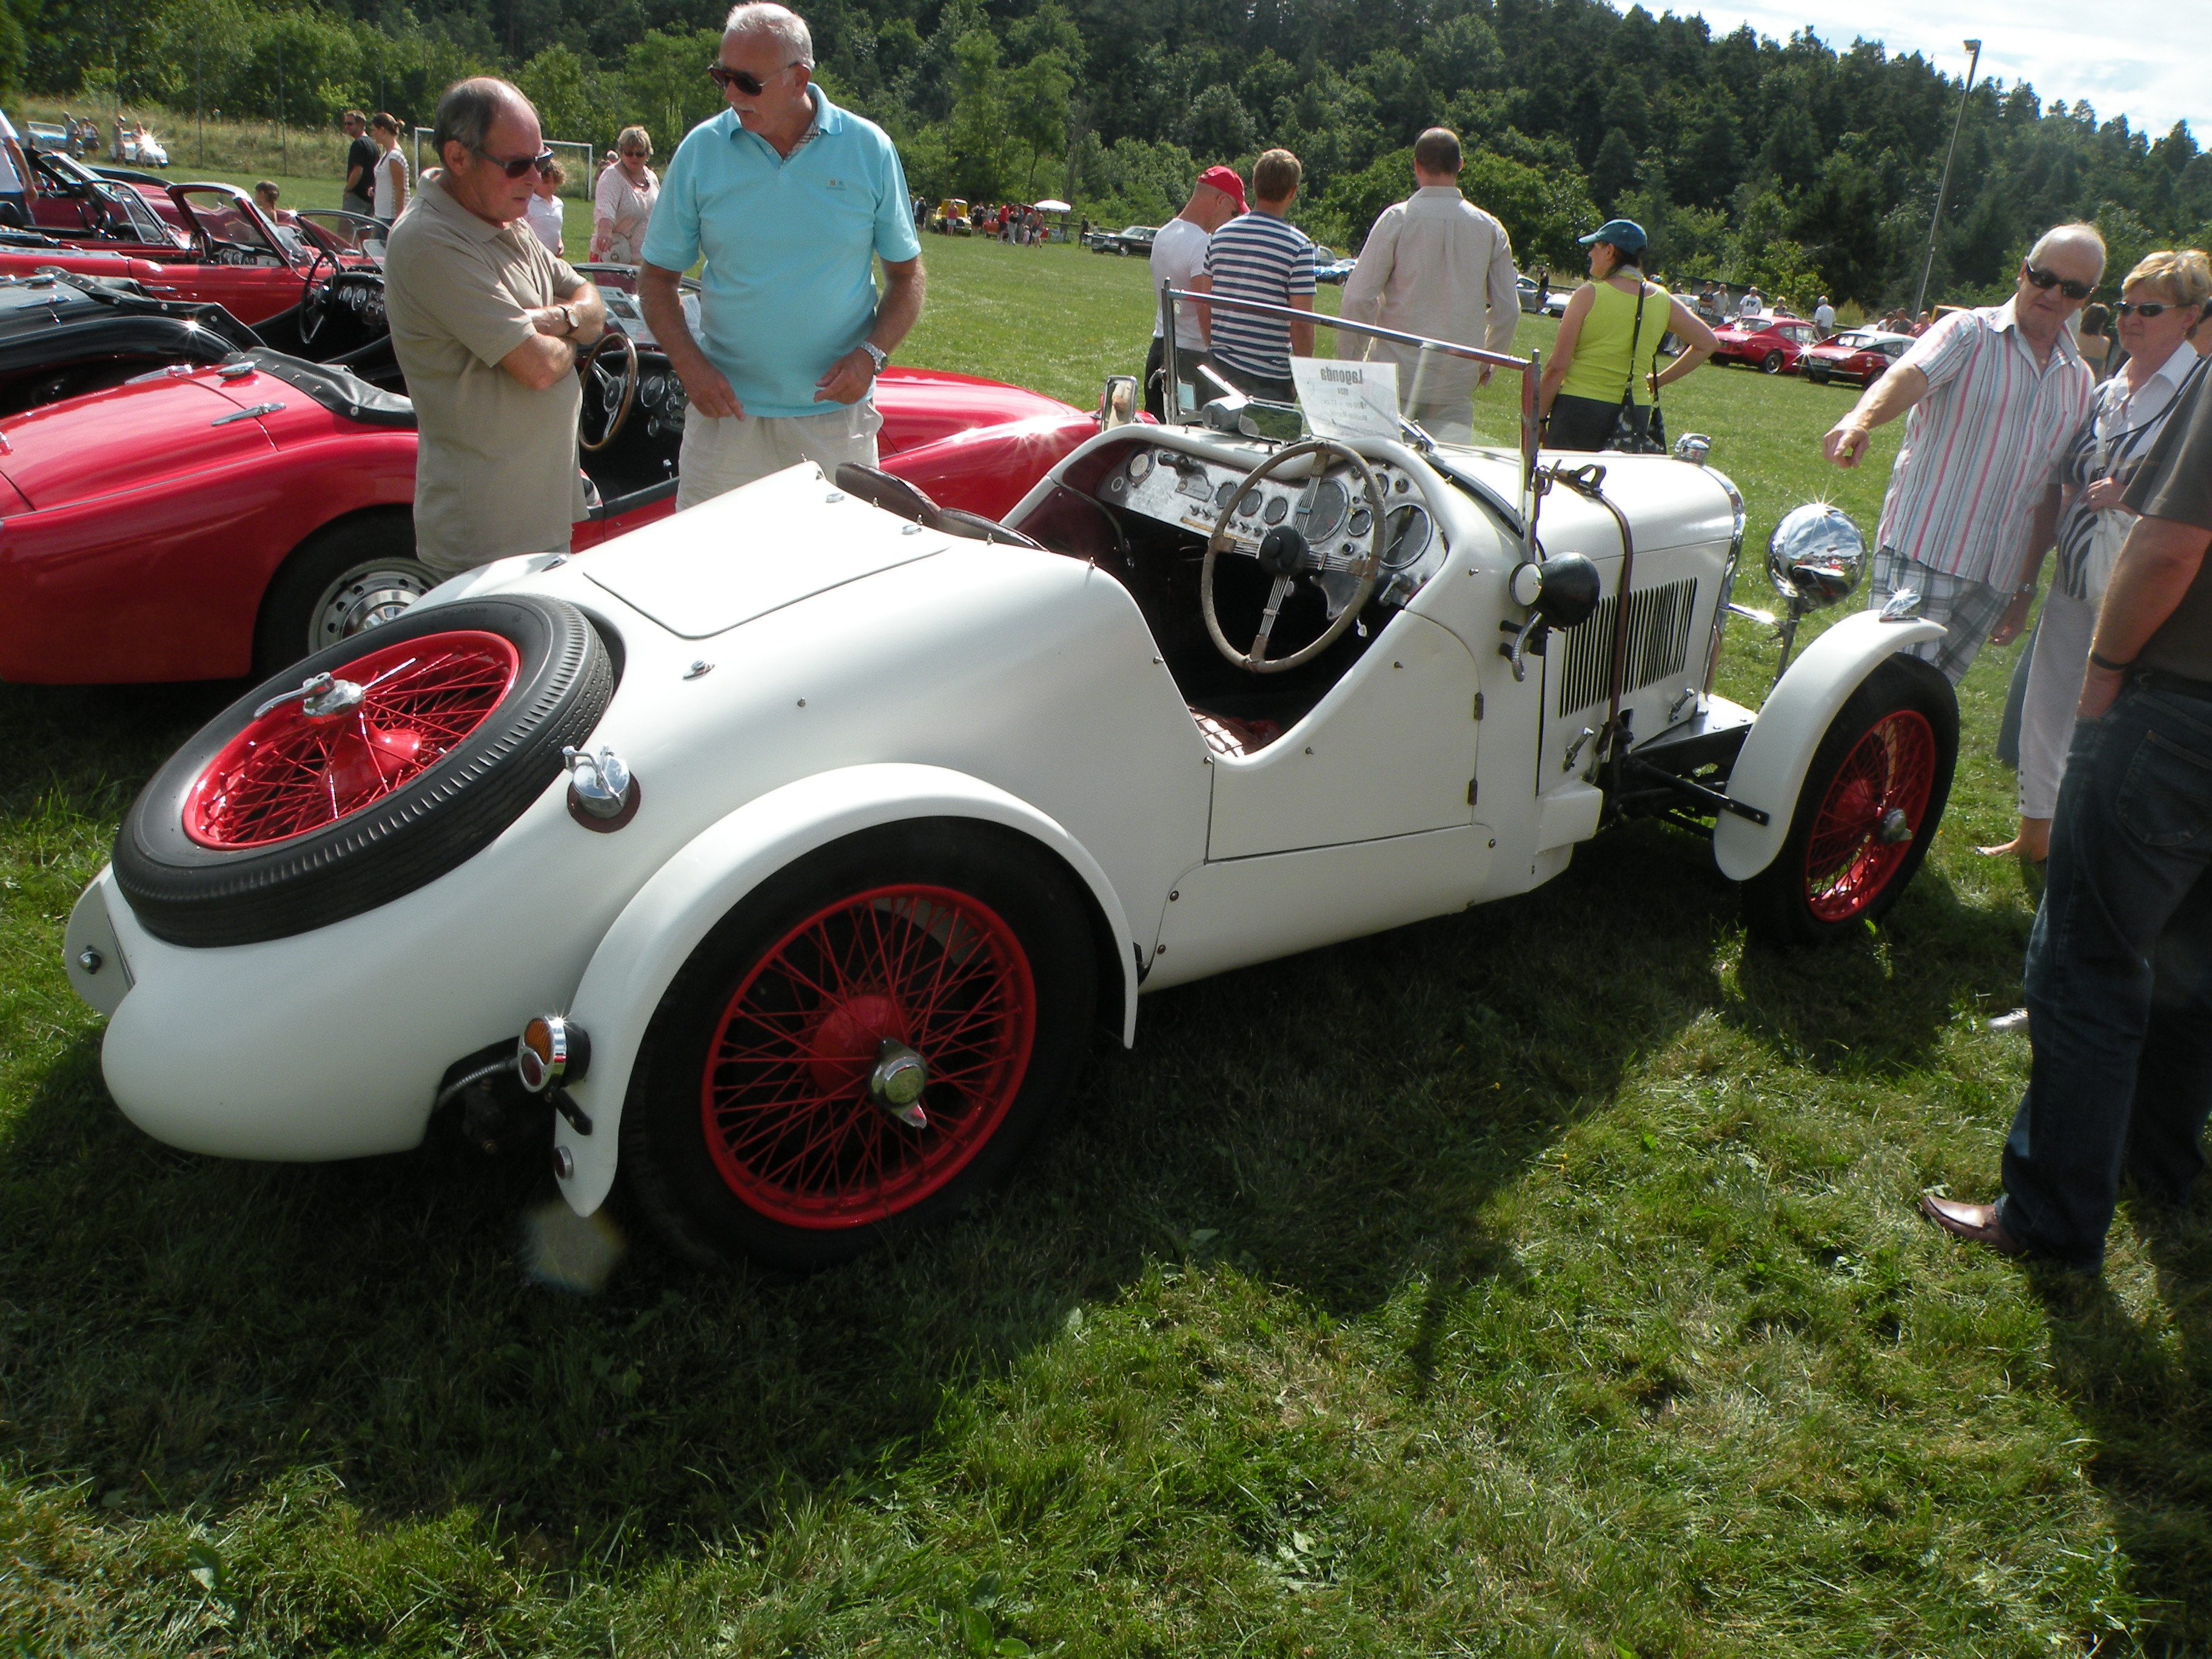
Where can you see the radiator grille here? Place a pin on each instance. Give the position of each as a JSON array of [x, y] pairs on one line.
[[1658, 643]]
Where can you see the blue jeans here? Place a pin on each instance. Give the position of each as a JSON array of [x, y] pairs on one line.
[[2119, 980]]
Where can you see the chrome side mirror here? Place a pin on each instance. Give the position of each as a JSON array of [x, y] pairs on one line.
[[1117, 404], [1693, 448], [1815, 557]]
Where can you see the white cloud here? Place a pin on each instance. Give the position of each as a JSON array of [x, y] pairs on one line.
[[2131, 57]]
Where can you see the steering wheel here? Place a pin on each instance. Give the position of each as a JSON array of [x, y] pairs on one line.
[[616, 388], [1285, 557], [315, 302]]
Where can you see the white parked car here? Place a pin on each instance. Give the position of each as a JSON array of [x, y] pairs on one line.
[[782, 854]]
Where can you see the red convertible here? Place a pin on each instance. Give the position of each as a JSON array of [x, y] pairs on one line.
[[1863, 357], [227, 255], [1771, 345], [200, 521]]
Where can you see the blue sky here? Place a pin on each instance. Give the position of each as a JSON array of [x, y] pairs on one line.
[[2146, 61]]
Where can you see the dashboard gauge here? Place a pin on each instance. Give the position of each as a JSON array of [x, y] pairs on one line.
[[1406, 537], [1279, 508], [1250, 504], [651, 387], [1222, 494], [1362, 521], [1325, 514], [1140, 465], [1404, 484]]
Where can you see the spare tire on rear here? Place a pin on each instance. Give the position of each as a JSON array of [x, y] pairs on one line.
[[287, 812]]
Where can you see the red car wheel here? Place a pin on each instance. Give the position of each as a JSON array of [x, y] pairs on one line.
[[363, 773], [1772, 362], [873, 1036], [1869, 806]]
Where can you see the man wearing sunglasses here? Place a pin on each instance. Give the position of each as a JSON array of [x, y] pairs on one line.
[[1996, 396], [486, 326], [791, 201]]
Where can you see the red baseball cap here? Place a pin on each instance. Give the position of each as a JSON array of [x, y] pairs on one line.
[[1225, 180]]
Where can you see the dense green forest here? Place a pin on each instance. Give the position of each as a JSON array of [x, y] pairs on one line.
[[1792, 165]]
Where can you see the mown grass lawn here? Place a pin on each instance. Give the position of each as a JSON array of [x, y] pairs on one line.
[[1541, 1279]]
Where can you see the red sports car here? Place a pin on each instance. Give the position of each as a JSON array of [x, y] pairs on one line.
[[1771, 345], [1862, 356], [202, 521], [228, 254]]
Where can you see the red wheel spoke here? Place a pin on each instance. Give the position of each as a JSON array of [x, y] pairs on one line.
[[286, 774], [1891, 767], [940, 969]]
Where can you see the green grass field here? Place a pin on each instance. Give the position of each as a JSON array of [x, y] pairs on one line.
[[1543, 1279]]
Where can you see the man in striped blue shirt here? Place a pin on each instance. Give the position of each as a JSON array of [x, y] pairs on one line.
[[1261, 256]]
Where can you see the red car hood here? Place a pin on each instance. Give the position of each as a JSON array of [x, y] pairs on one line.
[[926, 405], [126, 438]]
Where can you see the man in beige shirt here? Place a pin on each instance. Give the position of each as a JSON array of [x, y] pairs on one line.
[[488, 326], [1437, 266]]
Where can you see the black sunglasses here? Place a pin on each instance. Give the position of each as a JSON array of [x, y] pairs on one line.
[[515, 169], [749, 85], [2051, 279], [2127, 309]]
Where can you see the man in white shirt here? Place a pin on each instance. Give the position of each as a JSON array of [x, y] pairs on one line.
[[1751, 304], [1437, 266], [1824, 318], [1178, 257]]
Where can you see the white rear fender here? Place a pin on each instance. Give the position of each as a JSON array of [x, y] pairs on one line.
[[657, 932], [1771, 769]]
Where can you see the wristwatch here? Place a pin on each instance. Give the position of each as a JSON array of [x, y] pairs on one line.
[[877, 355], [568, 319]]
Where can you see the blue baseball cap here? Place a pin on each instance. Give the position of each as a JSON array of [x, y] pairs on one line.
[[1624, 234]]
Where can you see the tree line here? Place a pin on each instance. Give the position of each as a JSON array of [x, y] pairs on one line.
[[1792, 164]]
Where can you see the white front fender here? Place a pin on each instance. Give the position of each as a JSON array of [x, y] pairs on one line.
[[664, 923], [1771, 769]]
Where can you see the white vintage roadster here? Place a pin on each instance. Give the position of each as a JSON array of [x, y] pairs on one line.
[[783, 853]]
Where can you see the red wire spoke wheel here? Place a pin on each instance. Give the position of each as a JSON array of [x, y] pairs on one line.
[[274, 821], [1889, 750], [290, 772], [784, 1096], [1891, 768], [752, 1127]]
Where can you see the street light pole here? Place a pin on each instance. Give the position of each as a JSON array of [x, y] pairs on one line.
[[1943, 189]]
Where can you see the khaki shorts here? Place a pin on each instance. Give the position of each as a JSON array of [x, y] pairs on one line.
[[719, 454]]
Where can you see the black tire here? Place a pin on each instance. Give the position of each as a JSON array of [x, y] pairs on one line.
[[668, 1158], [1793, 902], [357, 574], [193, 894], [1770, 363]]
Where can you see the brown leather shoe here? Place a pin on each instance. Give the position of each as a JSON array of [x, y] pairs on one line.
[[1976, 1222]]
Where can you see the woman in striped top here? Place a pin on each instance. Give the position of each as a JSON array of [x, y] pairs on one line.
[[2161, 303]]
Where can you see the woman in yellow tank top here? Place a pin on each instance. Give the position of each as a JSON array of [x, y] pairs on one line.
[[1589, 372]]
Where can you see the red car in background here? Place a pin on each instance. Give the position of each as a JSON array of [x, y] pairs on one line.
[[1862, 356], [1773, 345], [225, 253], [204, 520]]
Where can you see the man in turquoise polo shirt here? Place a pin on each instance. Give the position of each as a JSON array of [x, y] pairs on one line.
[[792, 200]]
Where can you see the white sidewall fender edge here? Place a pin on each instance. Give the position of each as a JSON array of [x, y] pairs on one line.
[[1771, 767], [665, 922]]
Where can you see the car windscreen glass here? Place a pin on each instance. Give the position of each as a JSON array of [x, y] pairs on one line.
[[224, 218], [11, 169]]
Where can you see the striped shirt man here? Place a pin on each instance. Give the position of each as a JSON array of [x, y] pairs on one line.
[[1258, 256], [1983, 447]]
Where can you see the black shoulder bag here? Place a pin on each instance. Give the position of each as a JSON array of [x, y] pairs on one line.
[[1626, 437]]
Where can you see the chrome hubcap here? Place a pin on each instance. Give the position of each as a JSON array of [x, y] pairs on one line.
[[896, 1083], [364, 601]]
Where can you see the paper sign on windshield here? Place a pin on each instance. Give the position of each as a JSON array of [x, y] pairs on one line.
[[1344, 399]]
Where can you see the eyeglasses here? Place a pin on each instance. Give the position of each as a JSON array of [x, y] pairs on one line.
[[749, 85], [2047, 280], [2127, 309], [637, 155], [521, 165]]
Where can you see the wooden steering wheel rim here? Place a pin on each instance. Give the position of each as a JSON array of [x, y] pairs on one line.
[[590, 361], [1366, 569]]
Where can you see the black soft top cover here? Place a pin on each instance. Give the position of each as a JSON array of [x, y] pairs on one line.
[[337, 389]]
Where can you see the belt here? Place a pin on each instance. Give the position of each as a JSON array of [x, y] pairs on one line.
[[2176, 685]]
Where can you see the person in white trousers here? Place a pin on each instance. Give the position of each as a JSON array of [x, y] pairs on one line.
[[2161, 303]]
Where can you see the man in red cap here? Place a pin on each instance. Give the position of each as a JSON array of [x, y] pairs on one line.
[[1179, 255]]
